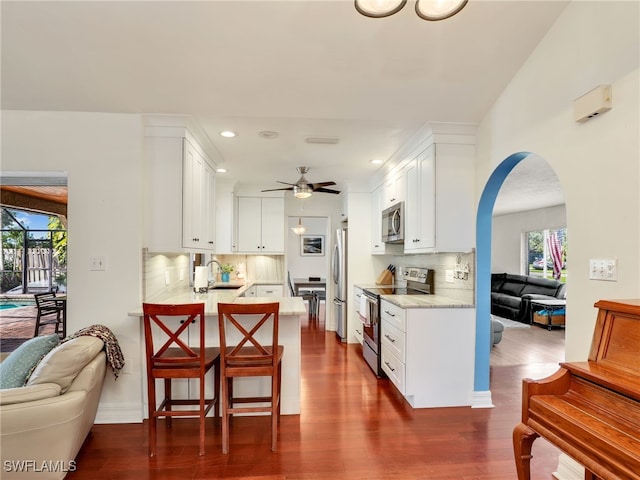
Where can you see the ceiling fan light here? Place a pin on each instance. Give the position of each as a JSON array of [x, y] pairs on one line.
[[379, 8], [302, 191], [435, 10]]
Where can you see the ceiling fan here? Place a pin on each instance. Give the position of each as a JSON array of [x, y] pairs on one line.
[[302, 188]]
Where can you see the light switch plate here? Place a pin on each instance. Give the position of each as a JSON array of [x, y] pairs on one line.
[[97, 263], [603, 269], [448, 276]]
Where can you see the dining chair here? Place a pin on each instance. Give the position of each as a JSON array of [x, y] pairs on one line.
[[249, 348], [51, 310], [171, 354], [307, 295]]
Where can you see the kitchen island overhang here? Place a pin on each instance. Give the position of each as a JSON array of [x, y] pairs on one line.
[[292, 311]]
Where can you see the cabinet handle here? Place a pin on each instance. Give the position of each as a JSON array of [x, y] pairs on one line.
[[358, 332], [389, 313], [390, 367], [390, 339]]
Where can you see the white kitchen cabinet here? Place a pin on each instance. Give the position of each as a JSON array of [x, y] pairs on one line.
[[440, 208], [265, 291], [428, 354], [377, 200], [394, 189], [198, 207], [260, 225], [420, 208], [178, 192], [269, 291]]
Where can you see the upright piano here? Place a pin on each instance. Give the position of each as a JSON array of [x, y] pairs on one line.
[[590, 410]]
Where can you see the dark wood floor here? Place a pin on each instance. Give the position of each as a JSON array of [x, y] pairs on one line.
[[352, 426]]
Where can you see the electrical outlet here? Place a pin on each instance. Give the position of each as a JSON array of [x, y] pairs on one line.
[[167, 277], [97, 263], [603, 269]]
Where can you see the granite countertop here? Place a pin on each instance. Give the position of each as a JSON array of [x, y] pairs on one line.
[[289, 306], [418, 301], [425, 301]]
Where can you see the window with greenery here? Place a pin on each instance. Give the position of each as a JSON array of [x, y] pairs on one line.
[[546, 251], [34, 252]]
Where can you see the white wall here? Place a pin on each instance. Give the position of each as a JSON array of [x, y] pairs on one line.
[[506, 241], [597, 162], [305, 266], [102, 154]]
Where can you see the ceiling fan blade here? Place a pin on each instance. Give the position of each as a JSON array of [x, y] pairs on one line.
[[285, 183], [276, 189], [315, 186], [325, 190]]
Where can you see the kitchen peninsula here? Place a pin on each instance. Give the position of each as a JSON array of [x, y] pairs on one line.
[[292, 309]]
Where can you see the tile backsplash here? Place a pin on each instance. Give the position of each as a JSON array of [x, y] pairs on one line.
[[462, 288], [164, 274], [169, 273]]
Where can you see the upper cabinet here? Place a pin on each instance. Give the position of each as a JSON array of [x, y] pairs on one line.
[[179, 193], [198, 207], [420, 206], [440, 208], [260, 225], [394, 190]]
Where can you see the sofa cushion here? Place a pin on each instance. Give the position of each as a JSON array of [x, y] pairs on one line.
[[62, 364], [16, 367], [32, 393], [512, 288], [507, 300]]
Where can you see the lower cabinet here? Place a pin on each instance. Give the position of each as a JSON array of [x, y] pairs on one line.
[[265, 291], [428, 354]]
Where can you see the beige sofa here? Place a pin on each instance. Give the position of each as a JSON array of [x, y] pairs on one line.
[[44, 424]]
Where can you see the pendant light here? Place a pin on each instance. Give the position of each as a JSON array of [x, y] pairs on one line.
[[300, 229]]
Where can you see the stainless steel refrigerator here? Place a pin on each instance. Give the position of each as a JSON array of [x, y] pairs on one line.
[[339, 276]]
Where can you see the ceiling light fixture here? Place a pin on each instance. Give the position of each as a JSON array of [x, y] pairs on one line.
[[301, 190], [432, 10], [221, 170], [228, 134], [300, 229], [376, 161]]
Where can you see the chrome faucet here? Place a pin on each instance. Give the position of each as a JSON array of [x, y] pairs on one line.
[[219, 266]]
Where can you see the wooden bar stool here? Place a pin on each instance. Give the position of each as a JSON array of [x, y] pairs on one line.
[[170, 355], [257, 354]]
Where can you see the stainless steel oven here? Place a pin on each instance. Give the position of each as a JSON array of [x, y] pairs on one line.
[[419, 281]]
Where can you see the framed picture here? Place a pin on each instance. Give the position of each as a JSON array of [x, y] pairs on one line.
[[312, 245]]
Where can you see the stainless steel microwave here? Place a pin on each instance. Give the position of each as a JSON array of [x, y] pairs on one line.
[[393, 224]]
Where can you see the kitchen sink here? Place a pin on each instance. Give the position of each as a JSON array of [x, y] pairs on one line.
[[225, 287]]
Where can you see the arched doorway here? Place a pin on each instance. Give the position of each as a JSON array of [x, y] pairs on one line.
[[482, 393]]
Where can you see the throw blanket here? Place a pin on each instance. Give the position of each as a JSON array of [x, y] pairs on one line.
[[115, 358]]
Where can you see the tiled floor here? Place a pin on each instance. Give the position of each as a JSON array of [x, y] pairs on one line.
[[17, 326]]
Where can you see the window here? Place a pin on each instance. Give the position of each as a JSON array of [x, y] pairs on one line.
[[546, 253], [34, 252]]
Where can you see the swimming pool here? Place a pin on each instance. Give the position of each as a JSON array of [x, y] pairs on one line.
[[7, 304]]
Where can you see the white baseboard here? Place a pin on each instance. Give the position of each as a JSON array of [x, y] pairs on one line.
[[118, 413], [568, 469], [482, 400]]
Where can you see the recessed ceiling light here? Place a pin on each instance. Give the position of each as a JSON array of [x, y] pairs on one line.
[[268, 134], [221, 170], [376, 161], [228, 134]]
